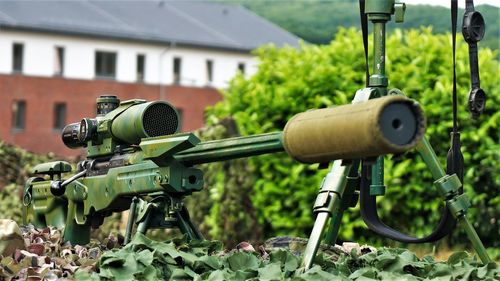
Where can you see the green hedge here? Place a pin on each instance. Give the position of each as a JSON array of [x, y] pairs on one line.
[[289, 81]]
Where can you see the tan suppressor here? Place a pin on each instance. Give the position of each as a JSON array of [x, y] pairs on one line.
[[391, 124]]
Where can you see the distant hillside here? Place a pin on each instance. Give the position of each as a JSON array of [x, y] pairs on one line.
[[317, 21]]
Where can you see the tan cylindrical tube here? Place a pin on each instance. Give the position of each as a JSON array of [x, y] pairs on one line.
[[391, 124]]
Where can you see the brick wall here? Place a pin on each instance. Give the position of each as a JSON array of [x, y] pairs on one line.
[[41, 94]]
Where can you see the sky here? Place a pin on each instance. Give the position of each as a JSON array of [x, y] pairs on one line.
[[446, 3]]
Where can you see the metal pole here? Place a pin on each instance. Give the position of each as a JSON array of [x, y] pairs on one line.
[[429, 156], [327, 204], [131, 219], [474, 239], [347, 201]]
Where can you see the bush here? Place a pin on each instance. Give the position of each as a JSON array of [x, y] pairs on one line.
[[289, 81], [15, 166]]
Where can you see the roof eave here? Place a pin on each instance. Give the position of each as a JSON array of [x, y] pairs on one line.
[[124, 38]]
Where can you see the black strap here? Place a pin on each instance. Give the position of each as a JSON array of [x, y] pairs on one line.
[[368, 204], [368, 209], [454, 11], [364, 31], [455, 159]]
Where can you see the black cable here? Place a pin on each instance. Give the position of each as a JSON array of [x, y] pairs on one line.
[[455, 159]]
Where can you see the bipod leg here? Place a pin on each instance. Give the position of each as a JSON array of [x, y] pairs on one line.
[[144, 225], [448, 186], [193, 227], [326, 205], [350, 199], [131, 220], [186, 225]]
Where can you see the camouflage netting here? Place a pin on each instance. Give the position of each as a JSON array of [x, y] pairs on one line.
[[40, 254]]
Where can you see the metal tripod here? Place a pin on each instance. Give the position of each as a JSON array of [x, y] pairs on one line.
[[338, 189]]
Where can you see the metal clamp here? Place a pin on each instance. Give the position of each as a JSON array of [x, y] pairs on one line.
[[448, 185], [458, 205]]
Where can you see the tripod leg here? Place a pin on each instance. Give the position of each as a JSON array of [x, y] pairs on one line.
[[448, 186], [144, 225], [349, 199], [131, 220], [184, 225], [327, 203], [333, 230], [187, 226]]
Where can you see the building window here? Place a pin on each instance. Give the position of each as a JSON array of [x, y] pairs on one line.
[[141, 62], [177, 70], [19, 115], [59, 61], [105, 64], [17, 57], [241, 67], [59, 116], [210, 71]]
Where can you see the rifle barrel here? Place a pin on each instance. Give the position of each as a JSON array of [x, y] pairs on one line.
[[232, 148]]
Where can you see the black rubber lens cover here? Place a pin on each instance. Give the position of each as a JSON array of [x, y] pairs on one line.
[[473, 27]]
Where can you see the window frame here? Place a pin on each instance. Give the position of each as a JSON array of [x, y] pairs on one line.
[[18, 123], [109, 60], [209, 67], [17, 63], [58, 125], [176, 70], [241, 67], [59, 58], [140, 67]]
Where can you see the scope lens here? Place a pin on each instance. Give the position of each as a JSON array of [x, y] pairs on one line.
[[160, 119], [88, 127], [70, 136]]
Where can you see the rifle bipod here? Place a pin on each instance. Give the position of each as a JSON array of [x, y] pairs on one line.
[[161, 212], [338, 192]]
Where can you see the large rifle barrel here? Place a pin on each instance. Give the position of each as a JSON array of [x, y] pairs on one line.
[[233, 148]]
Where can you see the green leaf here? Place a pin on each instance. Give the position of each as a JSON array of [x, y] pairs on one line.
[[243, 260], [457, 257], [271, 271]]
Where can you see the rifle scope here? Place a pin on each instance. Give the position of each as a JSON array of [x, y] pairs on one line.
[[126, 123]]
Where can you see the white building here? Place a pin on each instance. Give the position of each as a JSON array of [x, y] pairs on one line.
[[190, 43]]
